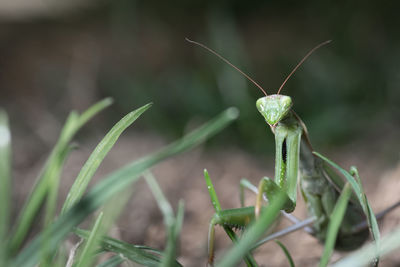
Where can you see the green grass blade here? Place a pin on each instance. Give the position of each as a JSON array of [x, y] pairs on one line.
[[97, 156], [250, 237], [93, 110], [162, 202], [248, 258], [359, 191], [117, 181], [169, 254], [5, 183], [111, 211], [36, 197], [334, 224], [347, 175], [371, 219], [126, 175], [51, 202], [172, 225], [52, 166], [338, 181], [134, 253], [173, 243], [286, 251], [211, 191], [86, 256], [112, 262]]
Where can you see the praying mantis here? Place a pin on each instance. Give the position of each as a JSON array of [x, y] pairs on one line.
[[295, 162]]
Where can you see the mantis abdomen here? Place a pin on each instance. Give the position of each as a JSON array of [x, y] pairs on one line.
[[320, 195]]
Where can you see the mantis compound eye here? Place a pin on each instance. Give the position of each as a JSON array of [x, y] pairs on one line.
[[274, 107]]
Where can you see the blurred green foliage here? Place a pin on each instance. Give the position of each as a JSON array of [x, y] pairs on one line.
[[141, 56]]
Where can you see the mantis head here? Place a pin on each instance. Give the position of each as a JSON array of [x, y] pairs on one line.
[[274, 107]]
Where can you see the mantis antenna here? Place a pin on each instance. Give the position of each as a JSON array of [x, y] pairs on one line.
[[230, 64], [301, 62]]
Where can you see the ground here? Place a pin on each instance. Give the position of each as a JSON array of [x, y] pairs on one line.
[[182, 178]]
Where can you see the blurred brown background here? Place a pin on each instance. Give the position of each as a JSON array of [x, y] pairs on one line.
[[57, 56]]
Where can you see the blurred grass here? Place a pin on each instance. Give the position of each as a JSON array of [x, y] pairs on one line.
[[47, 182], [112, 184], [365, 255], [5, 182], [286, 251], [354, 180], [81, 182], [86, 258], [173, 224], [46, 248], [334, 224], [253, 233]]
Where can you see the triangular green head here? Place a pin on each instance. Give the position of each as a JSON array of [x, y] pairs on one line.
[[274, 107]]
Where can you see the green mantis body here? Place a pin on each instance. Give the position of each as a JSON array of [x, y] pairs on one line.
[[294, 161], [319, 190]]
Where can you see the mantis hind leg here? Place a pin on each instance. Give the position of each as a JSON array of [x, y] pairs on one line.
[[245, 184], [211, 237], [227, 222]]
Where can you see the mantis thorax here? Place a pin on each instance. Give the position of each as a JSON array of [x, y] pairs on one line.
[[274, 108]]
